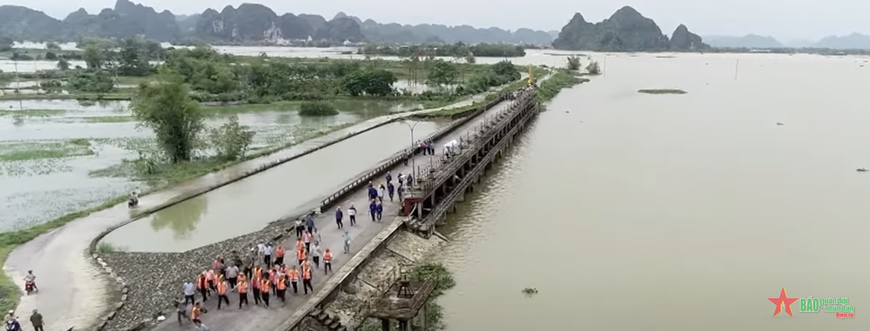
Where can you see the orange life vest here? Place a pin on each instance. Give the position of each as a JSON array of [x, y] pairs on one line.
[[255, 281], [281, 284], [300, 254], [306, 265], [300, 245], [200, 282], [222, 288], [264, 286], [194, 313], [306, 274], [273, 275], [294, 275], [327, 257], [243, 286], [258, 271], [280, 251]]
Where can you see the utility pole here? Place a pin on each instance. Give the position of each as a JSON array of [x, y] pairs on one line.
[[413, 164]]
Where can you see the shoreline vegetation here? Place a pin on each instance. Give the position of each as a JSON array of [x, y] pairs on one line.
[[662, 91], [458, 50]]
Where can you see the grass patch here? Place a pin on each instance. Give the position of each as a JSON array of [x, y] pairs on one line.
[[33, 112], [662, 91], [9, 290], [22, 151], [561, 79], [105, 247], [135, 80], [107, 119]]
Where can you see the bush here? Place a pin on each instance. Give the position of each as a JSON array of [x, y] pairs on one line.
[[231, 140], [593, 68], [573, 62], [317, 108]]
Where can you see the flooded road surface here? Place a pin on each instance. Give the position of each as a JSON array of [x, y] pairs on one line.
[[675, 212], [250, 204]]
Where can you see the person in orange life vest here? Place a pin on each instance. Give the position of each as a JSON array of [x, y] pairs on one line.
[[293, 275], [222, 293], [306, 264], [306, 280], [299, 244], [209, 274], [202, 286], [273, 278], [327, 261], [218, 265], [281, 289], [196, 313], [242, 288], [255, 286], [264, 291], [300, 255], [279, 255]]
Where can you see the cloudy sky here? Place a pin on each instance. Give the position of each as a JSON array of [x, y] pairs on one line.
[[783, 19]]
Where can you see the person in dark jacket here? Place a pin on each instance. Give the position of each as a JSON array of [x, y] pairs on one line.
[[339, 216], [373, 210], [391, 190], [380, 210], [389, 177], [373, 192]]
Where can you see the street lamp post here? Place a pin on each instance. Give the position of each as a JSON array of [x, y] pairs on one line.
[[413, 163]]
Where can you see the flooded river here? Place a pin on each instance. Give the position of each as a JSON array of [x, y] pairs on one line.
[[675, 212]]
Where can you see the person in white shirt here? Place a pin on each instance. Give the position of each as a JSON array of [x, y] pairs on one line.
[[267, 255]]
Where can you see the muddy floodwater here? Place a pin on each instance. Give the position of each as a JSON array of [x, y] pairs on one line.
[[250, 204], [49, 148], [629, 211]]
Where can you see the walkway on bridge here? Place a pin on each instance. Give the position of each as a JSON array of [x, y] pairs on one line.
[[259, 318]]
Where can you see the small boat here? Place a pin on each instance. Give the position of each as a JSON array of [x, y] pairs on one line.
[[779, 123], [862, 169], [530, 290]]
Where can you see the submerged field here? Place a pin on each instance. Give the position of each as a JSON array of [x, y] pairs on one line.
[[61, 156]]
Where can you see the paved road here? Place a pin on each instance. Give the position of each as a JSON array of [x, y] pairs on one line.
[[259, 318], [73, 290]]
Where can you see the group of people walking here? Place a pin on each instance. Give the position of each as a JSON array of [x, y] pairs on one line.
[[252, 276]]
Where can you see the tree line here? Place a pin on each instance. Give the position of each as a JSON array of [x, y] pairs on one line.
[[460, 50]]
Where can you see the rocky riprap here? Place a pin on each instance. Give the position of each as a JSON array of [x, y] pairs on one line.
[[154, 280]]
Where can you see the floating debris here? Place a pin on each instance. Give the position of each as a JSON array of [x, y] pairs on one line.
[[779, 123], [530, 291]]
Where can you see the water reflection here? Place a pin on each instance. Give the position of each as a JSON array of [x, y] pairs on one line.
[[181, 219]]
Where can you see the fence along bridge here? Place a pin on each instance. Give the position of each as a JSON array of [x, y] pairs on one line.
[[439, 187]]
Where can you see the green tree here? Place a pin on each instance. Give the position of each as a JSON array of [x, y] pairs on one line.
[[470, 58], [51, 56], [94, 56], [231, 140], [62, 64], [6, 44], [133, 58], [52, 46], [378, 82], [94, 82], [166, 108], [442, 73], [573, 62]]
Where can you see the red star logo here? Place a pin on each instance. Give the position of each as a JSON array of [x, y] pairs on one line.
[[782, 301]]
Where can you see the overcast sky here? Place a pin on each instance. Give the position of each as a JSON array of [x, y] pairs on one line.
[[783, 19]]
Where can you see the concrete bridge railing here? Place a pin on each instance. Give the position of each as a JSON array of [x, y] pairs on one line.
[[402, 156]]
